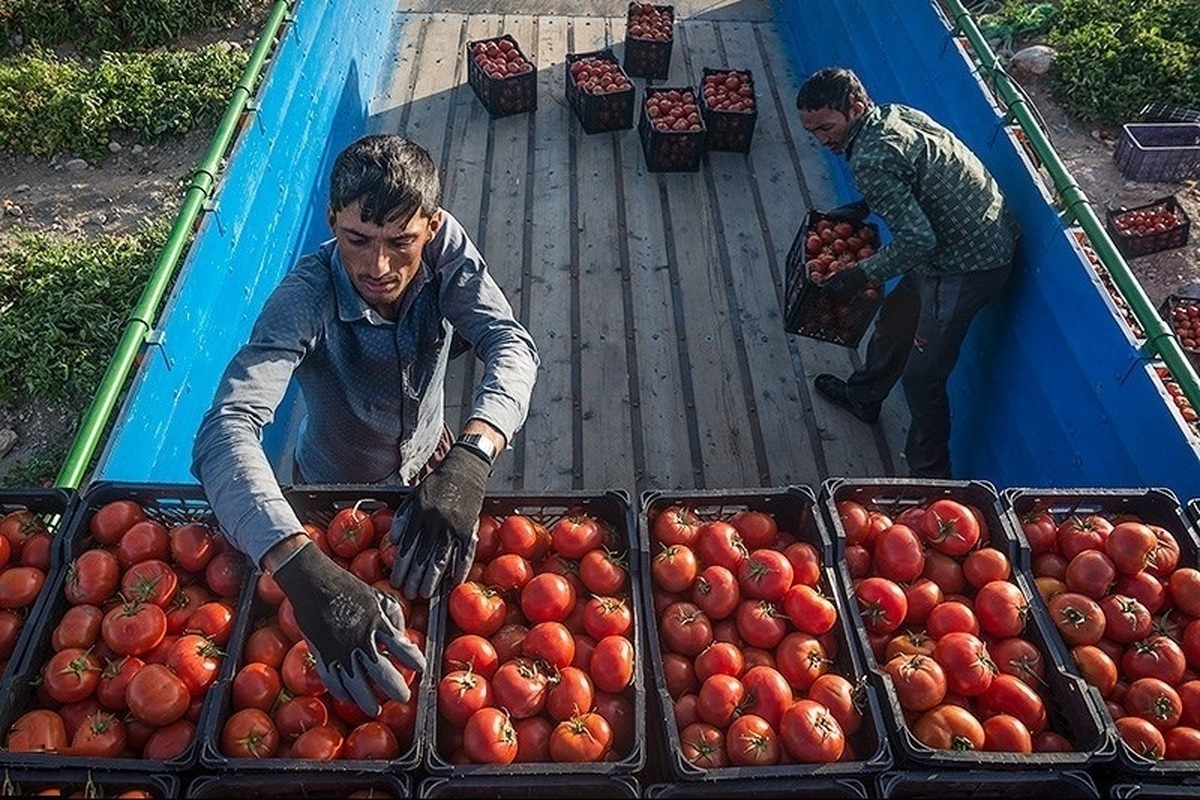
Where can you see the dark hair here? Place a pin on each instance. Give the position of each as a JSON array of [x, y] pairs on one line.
[[390, 175], [833, 87]]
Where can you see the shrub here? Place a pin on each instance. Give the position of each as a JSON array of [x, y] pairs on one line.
[[51, 105], [1114, 56]]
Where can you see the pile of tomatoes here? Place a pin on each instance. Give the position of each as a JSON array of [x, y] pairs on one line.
[[1130, 616], [1186, 410], [1145, 221], [148, 610], [946, 624], [673, 110], [25, 544], [539, 658], [500, 58], [1185, 319], [731, 91], [833, 246], [279, 706], [749, 641], [596, 75], [648, 21]]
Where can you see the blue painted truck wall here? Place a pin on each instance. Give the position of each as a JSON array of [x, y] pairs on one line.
[[1051, 389], [1049, 392], [270, 210]]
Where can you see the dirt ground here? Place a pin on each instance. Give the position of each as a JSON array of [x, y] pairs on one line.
[[138, 182]]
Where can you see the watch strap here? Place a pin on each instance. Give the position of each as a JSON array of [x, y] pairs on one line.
[[481, 444]]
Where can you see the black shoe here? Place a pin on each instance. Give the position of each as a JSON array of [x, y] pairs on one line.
[[833, 389]]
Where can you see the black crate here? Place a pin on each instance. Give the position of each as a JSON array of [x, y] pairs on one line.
[[809, 311], [313, 504], [1159, 151], [19, 782], [612, 509], [52, 509], [547, 786], [1133, 245], [729, 131], [1070, 703], [1155, 506], [794, 510], [670, 151], [169, 504], [644, 57], [509, 94], [331, 784], [1127, 791], [1035, 785], [1172, 309], [758, 787], [1165, 112], [599, 112]]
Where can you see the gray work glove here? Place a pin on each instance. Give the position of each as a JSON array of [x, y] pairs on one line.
[[851, 212], [435, 530], [350, 628]]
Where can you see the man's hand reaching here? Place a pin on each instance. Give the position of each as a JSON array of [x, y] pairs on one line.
[[350, 629]]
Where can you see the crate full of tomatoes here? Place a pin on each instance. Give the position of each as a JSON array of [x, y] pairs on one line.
[[672, 130], [1118, 575], [822, 246], [649, 36], [139, 611], [537, 666], [1141, 230], [29, 521], [1183, 315], [754, 666], [599, 91], [330, 785], [274, 713], [502, 76], [729, 108], [945, 614], [84, 782]]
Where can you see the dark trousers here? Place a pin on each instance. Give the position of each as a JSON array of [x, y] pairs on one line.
[[917, 338]]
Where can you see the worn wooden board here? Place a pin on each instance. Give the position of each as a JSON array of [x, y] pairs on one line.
[[655, 298]]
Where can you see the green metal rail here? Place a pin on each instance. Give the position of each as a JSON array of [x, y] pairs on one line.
[[141, 319], [1161, 341]]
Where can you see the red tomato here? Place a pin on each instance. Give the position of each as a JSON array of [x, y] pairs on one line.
[[350, 532], [574, 693], [196, 661], [508, 572], [806, 563], [720, 699], [768, 693], [751, 741], [519, 687], [225, 574], [1184, 588], [470, 652], [371, 741], [101, 735], [719, 658], [19, 586], [323, 743], [489, 737], [1129, 546], [757, 528], [298, 713], [112, 519], [150, 581], [70, 675], [299, 670], [1001, 609], [575, 535], [518, 534], [949, 727], [898, 554], [1142, 737], [811, 734], [1155, 701], [133, 628], [551, 643], [1090, 573], [765, 574], [192, 546], [950, 527], [674, 568], [950, 616], [716, 592], [1006, 734], [919, 681], [761, 624], [685, 629], [801, 659], [703, 745], [841, 698], [882, 604], [508, 641], [35, 552], [79, 627], [603, 572], [1154, 657], [547, 597], [1039, 529], [156, 695], [256, 685], [718, 542], [144, 540], [268, 645], [612, 664], [477, 609], [965, 659], [676, 525], [809, 610], [1008, 694], [607, 616], [856, 521], [1078, 618], [39, 730], [1021, 658], [582, 738]]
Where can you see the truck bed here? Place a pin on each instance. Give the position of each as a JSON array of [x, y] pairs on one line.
[[654, 298]]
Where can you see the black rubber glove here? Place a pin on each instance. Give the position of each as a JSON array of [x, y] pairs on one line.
[[851, 212], [346, 624], [845, 284], [435, 531]]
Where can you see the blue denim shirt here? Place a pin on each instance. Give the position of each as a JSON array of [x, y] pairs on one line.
[[373, 388]]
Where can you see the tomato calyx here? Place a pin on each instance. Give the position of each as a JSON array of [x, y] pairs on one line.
[[961, 743], [256, 743], [1026, 667], [142, 588], [80, 665], [1165, 625]]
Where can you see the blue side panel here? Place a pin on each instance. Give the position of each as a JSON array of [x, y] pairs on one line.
[[1050, 390], [270, 210]]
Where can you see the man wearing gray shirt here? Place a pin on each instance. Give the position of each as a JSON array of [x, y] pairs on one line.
[[365, 324]]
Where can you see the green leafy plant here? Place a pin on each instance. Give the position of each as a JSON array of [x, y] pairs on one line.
[[52, 105], [63, 305], [1114, 56], [93, 26], [38, 468]]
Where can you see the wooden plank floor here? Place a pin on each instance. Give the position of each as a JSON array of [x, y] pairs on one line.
[[655, 299]]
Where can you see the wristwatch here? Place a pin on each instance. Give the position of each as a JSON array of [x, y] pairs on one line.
[[481, 444]]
